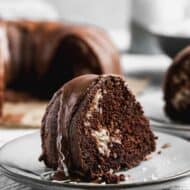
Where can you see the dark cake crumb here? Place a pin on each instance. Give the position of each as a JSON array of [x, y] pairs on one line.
[[159, 152], [122, 177], [113, 178]]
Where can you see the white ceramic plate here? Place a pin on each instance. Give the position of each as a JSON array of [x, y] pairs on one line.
[[153, 104], [19, 161]]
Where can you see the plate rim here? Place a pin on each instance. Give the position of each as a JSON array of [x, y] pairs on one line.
[[27, 180], [171, 126]]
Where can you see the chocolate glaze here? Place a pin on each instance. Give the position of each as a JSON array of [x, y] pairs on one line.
[[59, 113], [48, 132], [73, 94]]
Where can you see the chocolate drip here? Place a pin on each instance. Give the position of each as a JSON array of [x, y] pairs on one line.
[[59, 113]]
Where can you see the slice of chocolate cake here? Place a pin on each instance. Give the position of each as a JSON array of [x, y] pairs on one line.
[[94, 127], [177, 88]]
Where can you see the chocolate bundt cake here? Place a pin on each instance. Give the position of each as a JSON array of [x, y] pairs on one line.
[[177, 88], [38, 57], [94, 127]]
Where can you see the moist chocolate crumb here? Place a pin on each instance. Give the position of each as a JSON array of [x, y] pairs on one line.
[[122, 177], [156, 137], [159, 152], [167, 145]]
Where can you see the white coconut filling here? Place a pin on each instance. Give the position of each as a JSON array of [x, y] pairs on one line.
[[95, 104], [182, 97], [103, 137], [97, 98]]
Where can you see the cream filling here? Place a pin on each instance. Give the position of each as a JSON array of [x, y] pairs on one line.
[[95, 106], [95, 103], [117, 138], [102, 138], [102, 135]]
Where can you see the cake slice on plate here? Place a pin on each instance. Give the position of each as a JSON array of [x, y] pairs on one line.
[[94, 127]]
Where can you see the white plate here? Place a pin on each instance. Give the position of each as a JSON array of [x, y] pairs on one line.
[[153, 105], [19, 161]]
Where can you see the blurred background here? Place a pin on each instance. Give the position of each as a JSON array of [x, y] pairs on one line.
[[133, 24], [148, 34]]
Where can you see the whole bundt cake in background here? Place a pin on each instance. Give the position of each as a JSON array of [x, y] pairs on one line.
[[177, 88], [38, 57], [94, 127]]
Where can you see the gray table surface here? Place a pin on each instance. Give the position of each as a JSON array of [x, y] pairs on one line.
[[8, 184], [5, 136]]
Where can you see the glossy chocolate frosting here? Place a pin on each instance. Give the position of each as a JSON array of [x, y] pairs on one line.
[[58, 114]]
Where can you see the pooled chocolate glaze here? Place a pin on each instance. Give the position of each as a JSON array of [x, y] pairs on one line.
[[68, 142], [177, 87], [41, 56]]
